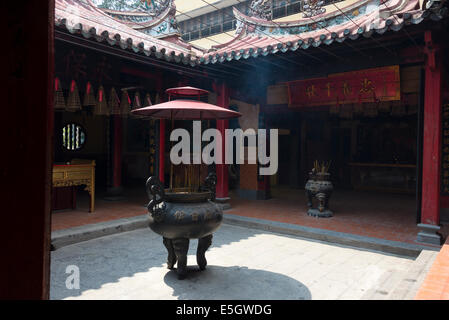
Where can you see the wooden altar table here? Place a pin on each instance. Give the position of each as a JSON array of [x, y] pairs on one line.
[[78, 172]]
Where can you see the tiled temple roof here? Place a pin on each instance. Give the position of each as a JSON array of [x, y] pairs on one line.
[[255, 36], [259, 37], [83, 17]]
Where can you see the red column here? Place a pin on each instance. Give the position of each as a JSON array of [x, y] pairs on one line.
[[115, 191], [431, 175], [222, 169], [159, 86], [117, 157], [161, 150]]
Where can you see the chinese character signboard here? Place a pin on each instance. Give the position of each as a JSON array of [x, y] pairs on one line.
[[379, 84], [445, 153]]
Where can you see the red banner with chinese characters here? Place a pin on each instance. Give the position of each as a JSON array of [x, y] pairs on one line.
[[379, 84]]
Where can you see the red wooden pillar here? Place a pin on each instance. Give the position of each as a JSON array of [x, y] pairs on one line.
[[222, 192], [115, 191], [161, 150], [159, 88], [117, 157], [431, 175]]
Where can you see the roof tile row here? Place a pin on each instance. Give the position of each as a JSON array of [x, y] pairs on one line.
[[83, 17]]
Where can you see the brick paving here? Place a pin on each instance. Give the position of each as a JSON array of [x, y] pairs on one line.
[[379, 215], [132, 205], [383, 216], [105, 211], [436, 283]]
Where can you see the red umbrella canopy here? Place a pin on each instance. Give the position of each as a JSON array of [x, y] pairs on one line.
[[186, 91], [186, 110]]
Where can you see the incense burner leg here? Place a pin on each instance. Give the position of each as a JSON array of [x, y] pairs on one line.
[[181, 247], [203, 245], [323, 206], [171, 259], [321, 201]]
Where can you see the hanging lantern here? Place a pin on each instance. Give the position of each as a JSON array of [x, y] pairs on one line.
[[125, 104], [73, 102], [136, 105], [89, 97], [59, 96], [101, 106], [114, 102], [147, 100]]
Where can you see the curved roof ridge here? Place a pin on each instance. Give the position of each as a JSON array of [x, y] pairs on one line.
[[125, 13], [259, 37], [318, 18], [82, 16], [154, 21]]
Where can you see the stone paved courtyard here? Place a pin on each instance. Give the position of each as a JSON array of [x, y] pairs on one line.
[[243, 263]]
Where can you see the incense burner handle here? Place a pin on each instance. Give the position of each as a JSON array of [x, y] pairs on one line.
[[156, 193]]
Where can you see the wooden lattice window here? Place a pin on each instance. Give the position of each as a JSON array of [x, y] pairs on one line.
[[73, 137]]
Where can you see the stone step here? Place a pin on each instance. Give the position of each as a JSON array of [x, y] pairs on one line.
[[370, 243], [411, 281], [386, 285]]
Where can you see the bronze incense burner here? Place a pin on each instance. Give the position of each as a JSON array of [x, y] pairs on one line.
[[319, 187], [181, 216]]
